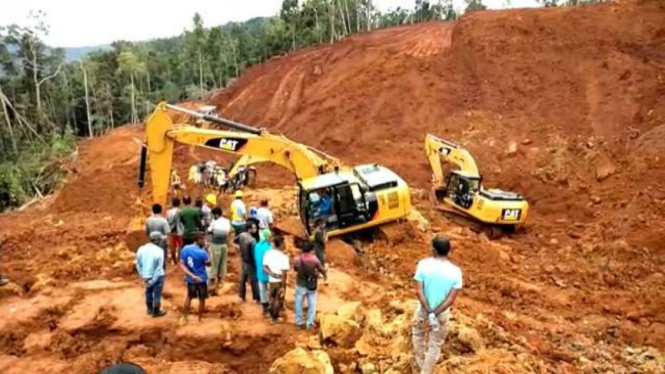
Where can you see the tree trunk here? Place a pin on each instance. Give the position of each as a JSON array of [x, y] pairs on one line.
[[332, 21], [38, 94], [348, 18], [87, 99], [134, 114], [341, 12], [201, 72], [111, 115], [235, 58], [357, 15], [369, 11], [3, 98]]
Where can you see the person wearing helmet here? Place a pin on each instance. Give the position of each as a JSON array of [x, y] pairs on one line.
[[206, 209], [238, 214]]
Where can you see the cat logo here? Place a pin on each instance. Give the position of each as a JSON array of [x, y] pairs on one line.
[[511, 214], [226, 144]]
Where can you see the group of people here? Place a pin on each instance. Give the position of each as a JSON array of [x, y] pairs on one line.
[[197, 236], [212, 175]]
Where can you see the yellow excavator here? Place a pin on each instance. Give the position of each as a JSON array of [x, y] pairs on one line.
[[348, 199], [462, 192]]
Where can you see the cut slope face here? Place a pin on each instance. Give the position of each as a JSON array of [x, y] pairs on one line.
[[549, 101]]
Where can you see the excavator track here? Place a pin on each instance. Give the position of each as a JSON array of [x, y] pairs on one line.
[[492, 231]]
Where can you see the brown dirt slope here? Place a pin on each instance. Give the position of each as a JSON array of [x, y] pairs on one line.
[[578, 90]]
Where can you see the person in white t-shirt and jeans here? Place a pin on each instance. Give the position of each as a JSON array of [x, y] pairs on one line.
[[438, 283], [276, 265]]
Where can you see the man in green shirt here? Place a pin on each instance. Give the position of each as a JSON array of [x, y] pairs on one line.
[[191, 220]]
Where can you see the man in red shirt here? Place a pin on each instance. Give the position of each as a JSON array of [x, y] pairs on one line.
[[307, 267]]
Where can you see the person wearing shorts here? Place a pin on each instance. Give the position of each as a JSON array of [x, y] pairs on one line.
[[193, 262], [218, 230]]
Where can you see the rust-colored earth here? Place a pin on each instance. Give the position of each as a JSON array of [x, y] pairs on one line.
[[566, 106]]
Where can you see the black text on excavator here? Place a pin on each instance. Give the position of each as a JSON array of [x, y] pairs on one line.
[[462, 192], [348, 199]]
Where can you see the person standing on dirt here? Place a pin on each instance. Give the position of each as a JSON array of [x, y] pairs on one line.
[[246, 242], [206, 209], [307, 267], [157, 223], [264, 215], [319, 242], [193, 262], [190, 218], [219, 231], [238, 214], [177, 229], [438, 282], [149, 261], [276, 265], [260, 250]]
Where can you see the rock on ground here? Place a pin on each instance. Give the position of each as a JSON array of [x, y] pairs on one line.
[[339, 331], [301, 361]]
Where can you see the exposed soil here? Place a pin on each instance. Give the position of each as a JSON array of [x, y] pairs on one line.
[[566, 106]]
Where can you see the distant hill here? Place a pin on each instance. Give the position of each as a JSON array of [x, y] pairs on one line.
[[73, 54]]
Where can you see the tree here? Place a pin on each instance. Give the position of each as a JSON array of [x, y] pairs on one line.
[[129, 65]]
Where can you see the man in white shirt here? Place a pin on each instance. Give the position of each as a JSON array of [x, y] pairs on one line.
[[438, 282], [264, 215], [276, 265], [150, 266]]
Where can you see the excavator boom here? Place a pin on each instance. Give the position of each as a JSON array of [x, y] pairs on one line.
[[438, 149], [162, 134]]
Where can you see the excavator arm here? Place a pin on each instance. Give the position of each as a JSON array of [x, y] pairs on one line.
[[438, 149], [255, 144]]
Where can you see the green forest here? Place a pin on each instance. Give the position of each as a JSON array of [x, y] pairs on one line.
[[46, 102]]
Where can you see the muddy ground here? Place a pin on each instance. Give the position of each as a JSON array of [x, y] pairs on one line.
[[563, 105]]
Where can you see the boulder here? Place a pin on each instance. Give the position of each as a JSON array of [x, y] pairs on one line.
[[374, 320], [470, 338], [10, 289], [351, 311], [368, 368], [301, 361], [43, 281], [339, 331]]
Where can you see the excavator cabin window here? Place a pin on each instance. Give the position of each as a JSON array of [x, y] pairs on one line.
[[341, 206], [461, 189]]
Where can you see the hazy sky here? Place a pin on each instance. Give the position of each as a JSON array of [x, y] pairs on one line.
[[76, 23]]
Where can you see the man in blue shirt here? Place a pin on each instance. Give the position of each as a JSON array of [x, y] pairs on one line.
[[150, 266], [438, 282], [193, 261], [260, 250]]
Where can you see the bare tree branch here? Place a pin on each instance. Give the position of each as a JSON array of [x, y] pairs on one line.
[[50, 76]]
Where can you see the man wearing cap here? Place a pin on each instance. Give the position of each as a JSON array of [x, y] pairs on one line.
[[438, 282], [150, 266], [193, 262], [238, 214]]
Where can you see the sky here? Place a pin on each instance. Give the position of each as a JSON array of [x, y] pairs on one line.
[[79, 23]]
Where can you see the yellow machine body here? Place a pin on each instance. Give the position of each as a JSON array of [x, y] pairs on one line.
[[363, 197]]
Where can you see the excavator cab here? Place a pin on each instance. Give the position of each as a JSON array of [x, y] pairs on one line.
[[461, 188], [340, 202]]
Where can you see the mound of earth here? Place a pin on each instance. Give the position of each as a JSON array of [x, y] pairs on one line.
[[564, 105]]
